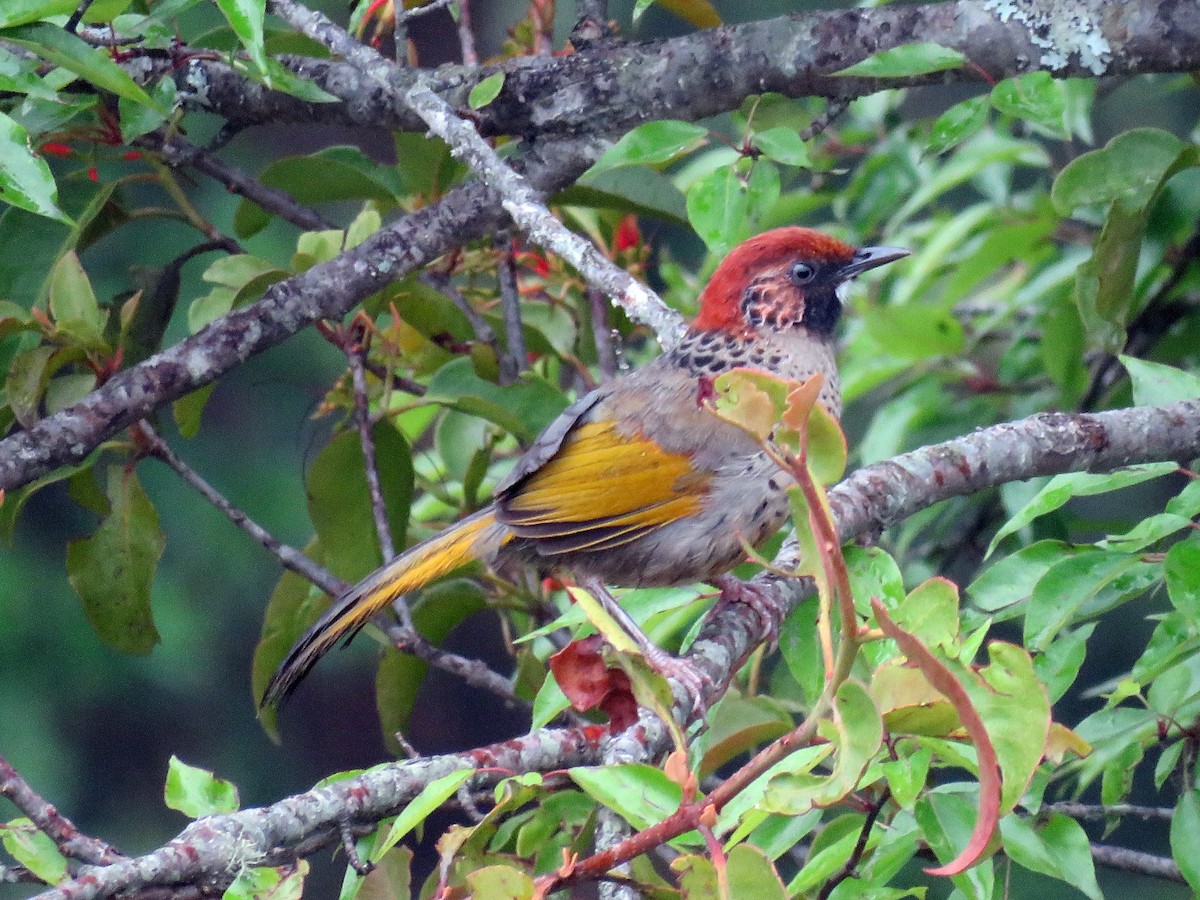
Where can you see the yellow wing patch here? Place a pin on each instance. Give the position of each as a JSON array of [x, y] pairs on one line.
[[602, 489]]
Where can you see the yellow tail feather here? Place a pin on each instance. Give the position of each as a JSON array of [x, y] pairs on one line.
[[477, 537]]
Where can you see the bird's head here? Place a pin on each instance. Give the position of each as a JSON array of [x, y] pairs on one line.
[[785, 278]]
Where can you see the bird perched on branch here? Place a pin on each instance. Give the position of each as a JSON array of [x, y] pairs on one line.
[[638, 483]]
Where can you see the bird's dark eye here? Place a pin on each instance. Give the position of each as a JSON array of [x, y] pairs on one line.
[[802, 273]]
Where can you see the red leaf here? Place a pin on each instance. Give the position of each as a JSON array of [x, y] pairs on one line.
[[989, 766], [590, 683]]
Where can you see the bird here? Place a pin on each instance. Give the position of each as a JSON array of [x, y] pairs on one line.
[[638, 483]]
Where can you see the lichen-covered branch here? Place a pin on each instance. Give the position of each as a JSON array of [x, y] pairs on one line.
[[528, 210], [610, 87]]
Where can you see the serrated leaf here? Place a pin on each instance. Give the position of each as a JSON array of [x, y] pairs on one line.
[[113, 570], [859, 733], [197, 792], [642, 794], [906, 61], [487, 90]]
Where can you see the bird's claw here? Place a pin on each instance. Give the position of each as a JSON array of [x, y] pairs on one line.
[[764, 605]]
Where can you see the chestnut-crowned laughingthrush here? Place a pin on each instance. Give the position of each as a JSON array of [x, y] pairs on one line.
[[638, 483]]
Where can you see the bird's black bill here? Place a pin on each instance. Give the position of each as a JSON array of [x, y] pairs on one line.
[[871, 257]]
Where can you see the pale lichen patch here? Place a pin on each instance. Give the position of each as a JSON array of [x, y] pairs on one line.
[[1061, 31]]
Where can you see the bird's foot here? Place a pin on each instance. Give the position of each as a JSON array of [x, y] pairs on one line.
[[765, 606], [696, 684]]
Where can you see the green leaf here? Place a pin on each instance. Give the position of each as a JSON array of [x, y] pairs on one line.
[[77, 316], [418, 810], [486, 91], [19, 12], [74, 54], [1182, 571], [1036, 97], [858, 737], [906, 61], [25, 179], [524, 408], [1010, 580], [718, 207], [339, 500], [1068, 844], [197, 792], [267, 883], [956, 124], [1062, 488], [33, 848], [189, 409], [1083, 586], [642, 794], [140, 118], [782, 144], [1185, 837], [113, 570], [1129, 168], [501, 882], [246, 19], [915, 331], [329, 175], [1155, 384], [652, 144]]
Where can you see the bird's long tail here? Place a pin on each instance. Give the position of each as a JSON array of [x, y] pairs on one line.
[[477, 537]]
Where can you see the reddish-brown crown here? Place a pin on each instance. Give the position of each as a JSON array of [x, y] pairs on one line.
[[720, 303]]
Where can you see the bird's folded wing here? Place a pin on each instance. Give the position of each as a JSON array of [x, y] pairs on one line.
[[602, 489]]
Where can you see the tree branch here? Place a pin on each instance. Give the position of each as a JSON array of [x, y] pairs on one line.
[[327, 290], [608, 88]]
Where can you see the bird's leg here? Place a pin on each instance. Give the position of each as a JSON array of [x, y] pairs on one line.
[[734, 590], [693, 680]]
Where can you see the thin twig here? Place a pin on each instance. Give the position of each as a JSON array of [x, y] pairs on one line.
[[375, 368], [177, 151], [860, 847], [403, 636], [479, 325], [466, 34], [72, 843], [77, 16], [473, 671], [591, 23], [333, 37], [603, 334], [1090, 811], [513, 359], [289, 557], [834, 108], [18, 875], [525, 206], [1135, 861], [356, 353], [403, 17]]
